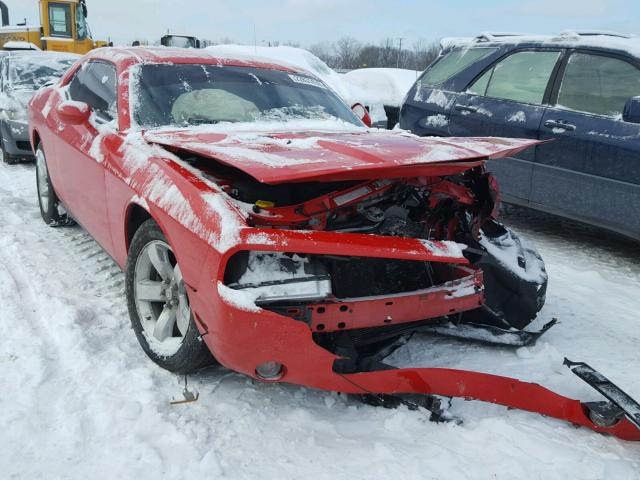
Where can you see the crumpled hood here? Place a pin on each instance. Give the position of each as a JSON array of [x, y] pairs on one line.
[[351, 155]]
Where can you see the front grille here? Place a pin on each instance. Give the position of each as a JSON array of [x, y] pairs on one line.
[[22, 145]]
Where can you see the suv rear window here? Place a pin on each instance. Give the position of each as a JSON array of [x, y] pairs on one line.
[[452, 63]]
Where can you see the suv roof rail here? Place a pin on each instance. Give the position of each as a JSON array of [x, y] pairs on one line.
[[576, 34], [493, 36]]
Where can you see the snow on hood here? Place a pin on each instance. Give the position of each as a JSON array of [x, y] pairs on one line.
[[292, 57], [33, 69], [308, 155], [385, 86], [27, 73]]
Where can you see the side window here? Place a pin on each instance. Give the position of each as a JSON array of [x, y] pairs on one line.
[[598, 84], [521, 77], [81, 23], [60, 20], [95, 84], [452, 63], [479, 87]]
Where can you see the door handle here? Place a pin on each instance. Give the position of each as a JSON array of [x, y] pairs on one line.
[[465, 108], [563, 124]]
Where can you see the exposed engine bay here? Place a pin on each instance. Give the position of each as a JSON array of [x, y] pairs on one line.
[[438, 208], [462, 208]]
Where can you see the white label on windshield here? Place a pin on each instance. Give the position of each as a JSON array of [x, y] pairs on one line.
[[307, 81]]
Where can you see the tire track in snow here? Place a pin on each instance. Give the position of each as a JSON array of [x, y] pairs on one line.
[[97, 392]]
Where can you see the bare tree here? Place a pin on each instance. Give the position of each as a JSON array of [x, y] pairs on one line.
[[325, 52], [388, 53], [423, 54], [349, 53], [348, 50]]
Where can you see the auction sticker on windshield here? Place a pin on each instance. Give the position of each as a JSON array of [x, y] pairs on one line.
[[307, 81]]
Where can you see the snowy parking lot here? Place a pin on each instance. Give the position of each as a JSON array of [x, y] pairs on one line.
[[80, 399]]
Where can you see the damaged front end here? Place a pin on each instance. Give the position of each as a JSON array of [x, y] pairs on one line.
[[332, 293], [460, 208], [332, 277]]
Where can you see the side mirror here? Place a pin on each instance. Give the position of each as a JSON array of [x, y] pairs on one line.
[[74, 113], [631, 111], [362, 113]]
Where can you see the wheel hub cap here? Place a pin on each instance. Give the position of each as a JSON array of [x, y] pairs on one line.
[[161, 298]]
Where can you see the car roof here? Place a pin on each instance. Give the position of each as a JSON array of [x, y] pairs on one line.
[[126, 56], [592, 39], [41, 54]]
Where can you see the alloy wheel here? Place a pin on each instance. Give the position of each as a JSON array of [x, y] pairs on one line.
[[161, 298], [43, 181]]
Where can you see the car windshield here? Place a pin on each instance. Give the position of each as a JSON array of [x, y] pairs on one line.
[[34, 72], [186, 95]]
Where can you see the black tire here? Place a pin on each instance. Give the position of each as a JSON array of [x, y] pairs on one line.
[[193, 354], [7, 157], [51, 209]]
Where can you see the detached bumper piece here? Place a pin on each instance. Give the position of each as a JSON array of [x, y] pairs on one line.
[[490, 335], [620, 404], [620, 417]]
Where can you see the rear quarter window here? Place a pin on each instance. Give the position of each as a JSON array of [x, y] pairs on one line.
[[598, 84], [453, 63]]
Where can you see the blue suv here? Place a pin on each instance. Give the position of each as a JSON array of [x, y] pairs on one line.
[[579, 90]]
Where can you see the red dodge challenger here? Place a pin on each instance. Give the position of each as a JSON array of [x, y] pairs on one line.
[[261, 223]]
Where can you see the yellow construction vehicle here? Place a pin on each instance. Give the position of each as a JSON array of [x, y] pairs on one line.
[[63, 28]]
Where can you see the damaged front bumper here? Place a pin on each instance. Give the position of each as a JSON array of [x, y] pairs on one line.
[[320, 344]]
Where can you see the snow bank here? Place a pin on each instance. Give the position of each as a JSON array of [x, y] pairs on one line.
[[386, 86]]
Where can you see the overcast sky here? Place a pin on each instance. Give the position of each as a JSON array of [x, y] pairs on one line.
[[310, 21]]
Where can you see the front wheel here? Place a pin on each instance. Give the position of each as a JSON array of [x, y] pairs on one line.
[[159, 306], [51, 209]]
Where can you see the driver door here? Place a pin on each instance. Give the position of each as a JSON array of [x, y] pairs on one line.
[[81, 152]]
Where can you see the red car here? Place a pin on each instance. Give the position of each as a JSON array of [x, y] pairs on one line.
[[260, 223]]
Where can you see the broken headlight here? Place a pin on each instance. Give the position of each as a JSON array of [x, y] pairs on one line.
[[278, 277]]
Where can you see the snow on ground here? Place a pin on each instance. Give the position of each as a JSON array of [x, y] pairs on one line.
[[81, 400]]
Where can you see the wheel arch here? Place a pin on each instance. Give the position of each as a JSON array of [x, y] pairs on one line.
[[189, 249], [35, 140], [135, 216]]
